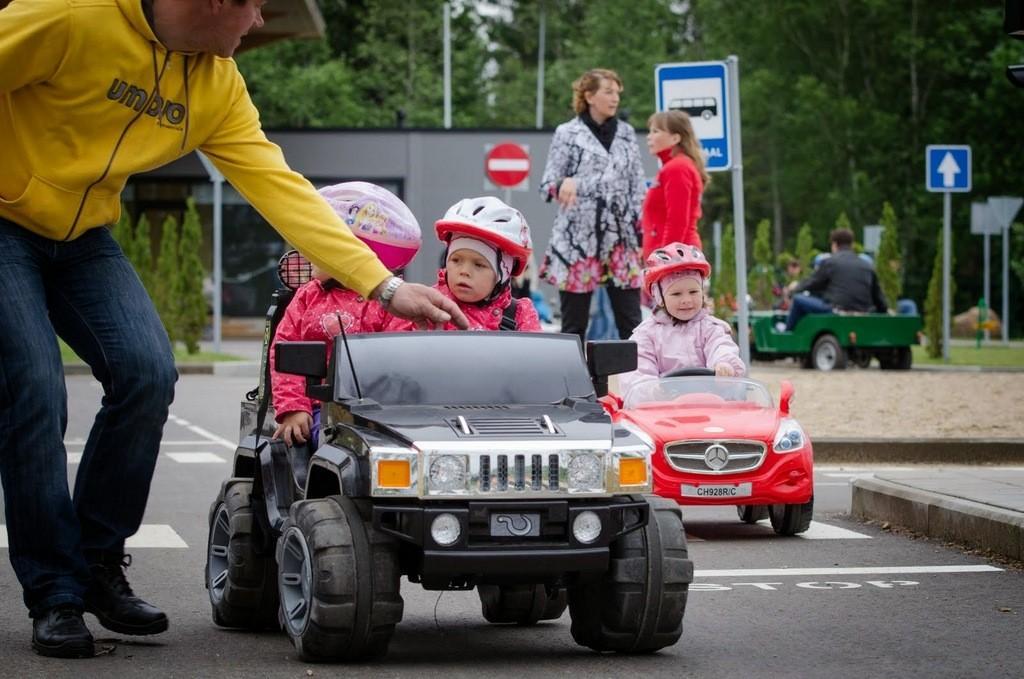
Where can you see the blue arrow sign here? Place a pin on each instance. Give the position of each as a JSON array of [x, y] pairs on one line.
[[701, 89], [948, 168]]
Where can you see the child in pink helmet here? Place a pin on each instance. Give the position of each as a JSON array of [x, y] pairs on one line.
[[322, 307], [487, 244], [681, 333]]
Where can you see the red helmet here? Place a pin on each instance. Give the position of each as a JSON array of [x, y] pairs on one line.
[[492, 221], [673, 258]]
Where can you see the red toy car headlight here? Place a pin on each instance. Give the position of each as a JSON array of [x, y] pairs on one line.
[[790, 437]]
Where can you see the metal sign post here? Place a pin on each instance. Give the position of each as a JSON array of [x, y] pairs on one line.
[[218, 202], [1004, 209], [983, 223], [733, 63], [947, 170]]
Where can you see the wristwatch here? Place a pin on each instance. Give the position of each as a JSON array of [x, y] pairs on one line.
[[389, 291]]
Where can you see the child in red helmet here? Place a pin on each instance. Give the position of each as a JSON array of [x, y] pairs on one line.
[[322, 307], [681, 333], [487, 244]]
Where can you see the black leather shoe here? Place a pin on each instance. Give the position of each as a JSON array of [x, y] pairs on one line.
[[61, 633], [111, 600]]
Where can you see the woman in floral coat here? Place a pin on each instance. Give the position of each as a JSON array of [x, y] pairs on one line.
[[594, 172]]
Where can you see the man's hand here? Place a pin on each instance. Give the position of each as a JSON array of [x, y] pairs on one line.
[[294, 427], [567, 192], [426, 307]]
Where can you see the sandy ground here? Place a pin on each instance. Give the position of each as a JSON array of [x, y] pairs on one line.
[[892, 404]]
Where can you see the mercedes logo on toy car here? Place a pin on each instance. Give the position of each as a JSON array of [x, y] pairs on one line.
[[716, 456]]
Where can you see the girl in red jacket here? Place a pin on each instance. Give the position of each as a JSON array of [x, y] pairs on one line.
[[322, 307], [487, 244], [672, 205]]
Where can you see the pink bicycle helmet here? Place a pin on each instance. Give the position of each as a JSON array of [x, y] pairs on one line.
[[673, 258], [492, 221], [379, 218]]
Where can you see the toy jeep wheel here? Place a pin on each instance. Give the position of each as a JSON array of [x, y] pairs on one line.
[[751, 513], [521, 604], [638, 605], [828, 354], [791, 519], [338, 580], [897, 358], [242, 584]]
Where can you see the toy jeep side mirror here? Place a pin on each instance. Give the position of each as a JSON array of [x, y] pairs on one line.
[[301, 358], [609, 357], [785, 397]]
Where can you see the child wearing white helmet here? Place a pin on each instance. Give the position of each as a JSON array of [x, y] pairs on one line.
[[681, 333], [487, 244], [322, 307]]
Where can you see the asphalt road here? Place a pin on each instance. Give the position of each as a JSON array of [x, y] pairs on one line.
[[846, 600]]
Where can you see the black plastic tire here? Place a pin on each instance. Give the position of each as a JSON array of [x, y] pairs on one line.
[[752, 513], [242, 584], [520, 604], [349, 609], [828, 354], [791, 519], [638, 605]]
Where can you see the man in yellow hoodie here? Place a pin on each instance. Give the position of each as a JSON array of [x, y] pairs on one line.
[[91, 92]]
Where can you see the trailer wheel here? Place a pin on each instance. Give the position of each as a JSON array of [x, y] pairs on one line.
[[521, 604], [827, 354]]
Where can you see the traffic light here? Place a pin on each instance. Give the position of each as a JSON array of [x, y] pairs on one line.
[[1013, 26]]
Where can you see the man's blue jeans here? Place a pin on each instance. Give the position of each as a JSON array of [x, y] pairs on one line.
[[86, 292], [803, 305]]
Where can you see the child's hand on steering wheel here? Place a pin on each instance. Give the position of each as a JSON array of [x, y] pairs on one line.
[[724, 370], [294, 427]]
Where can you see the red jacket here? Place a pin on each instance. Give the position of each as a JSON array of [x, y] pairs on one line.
[[316, 313], [487, 317], [672, 205]]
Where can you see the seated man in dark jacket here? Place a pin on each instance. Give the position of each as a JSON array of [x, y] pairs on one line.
[[843, 282]]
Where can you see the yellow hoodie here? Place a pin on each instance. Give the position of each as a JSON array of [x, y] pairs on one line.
[[89, 96]]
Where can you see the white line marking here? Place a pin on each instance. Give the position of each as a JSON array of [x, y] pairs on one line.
[[74, 458], [209, 436], [508, 164], [196, 442], [828, 485], [824, 531], [197, 458], [854, 570], [155, 535]]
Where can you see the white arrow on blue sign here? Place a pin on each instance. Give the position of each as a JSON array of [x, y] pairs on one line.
[[948, 168], [701, 89]]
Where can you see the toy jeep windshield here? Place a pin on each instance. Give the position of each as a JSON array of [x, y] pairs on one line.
[[460, 460]]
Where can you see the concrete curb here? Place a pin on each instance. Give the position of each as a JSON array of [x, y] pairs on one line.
[[918, 451], [940, 516], [221, 368]]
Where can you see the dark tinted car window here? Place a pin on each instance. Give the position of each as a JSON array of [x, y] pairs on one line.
[[463, 368]]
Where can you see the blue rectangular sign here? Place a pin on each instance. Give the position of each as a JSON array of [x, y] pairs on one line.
[[701, 89], [948, 168]]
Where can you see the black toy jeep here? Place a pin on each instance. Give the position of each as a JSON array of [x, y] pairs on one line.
[[460, 460]]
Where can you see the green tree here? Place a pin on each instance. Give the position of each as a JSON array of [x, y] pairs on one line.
[[723, 281], [165, 293], [122, 233], [805, 250], [933, 302], [142, 253], [192, 309], [889, 260], [762, 275]]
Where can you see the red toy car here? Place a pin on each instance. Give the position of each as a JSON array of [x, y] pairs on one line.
[[722, 441]]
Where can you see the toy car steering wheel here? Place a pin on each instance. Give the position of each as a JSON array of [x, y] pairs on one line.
[[691, 372]]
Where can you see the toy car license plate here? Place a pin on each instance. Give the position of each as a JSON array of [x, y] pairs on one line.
[[514, 525], [717, 490]]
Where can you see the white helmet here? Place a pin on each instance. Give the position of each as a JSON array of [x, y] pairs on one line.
[[492, 221]]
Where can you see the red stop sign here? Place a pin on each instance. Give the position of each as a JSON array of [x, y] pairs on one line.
[[507, 165]]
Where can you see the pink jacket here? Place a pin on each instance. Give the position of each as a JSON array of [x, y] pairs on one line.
[[486, 317], [665, 344], [316, 314]]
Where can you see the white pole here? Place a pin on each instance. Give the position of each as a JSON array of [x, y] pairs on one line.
[[732, 67], [988, 292], [947, 210], [447, 66], [217, 179], [716, 238], [540, 66], [1005, 320]]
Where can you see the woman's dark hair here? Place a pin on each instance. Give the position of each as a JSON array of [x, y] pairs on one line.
[[590, 82]]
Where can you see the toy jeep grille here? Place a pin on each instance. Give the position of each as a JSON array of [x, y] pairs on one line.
[[694, 456], [504, 427]]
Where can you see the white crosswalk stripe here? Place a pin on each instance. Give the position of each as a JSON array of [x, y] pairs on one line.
[[150, 536], [202, 457], [817, 531]]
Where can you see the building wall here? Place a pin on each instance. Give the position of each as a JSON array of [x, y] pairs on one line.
[[431, 168]]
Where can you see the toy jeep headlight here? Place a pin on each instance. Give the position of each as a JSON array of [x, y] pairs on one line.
[[394, 471], [586, 473], [447, 474], [789, 438]]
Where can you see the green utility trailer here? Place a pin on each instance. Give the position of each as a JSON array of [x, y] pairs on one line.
[[830, 341]]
